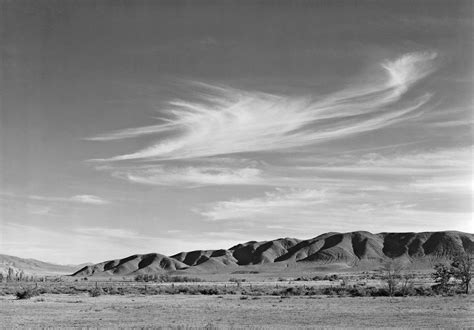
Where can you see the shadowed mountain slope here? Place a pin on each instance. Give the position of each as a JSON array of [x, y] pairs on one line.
[[255, 253], [151, 263], [344, 249]]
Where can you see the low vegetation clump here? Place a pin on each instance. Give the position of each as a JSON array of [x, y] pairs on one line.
[[26, 293], [246, 272], [332, 277], [96, 292], [164, 278], [356, 290], [236, 280]]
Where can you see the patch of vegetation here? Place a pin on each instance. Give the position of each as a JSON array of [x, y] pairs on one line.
[[26, 293], [96, 292], [454, 277], [164, 278], [236, 280], [246, 272], [332, 277]]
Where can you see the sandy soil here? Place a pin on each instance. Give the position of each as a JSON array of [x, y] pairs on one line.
[[235, 312]]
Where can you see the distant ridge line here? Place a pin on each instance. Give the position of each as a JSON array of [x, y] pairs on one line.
[[347, 250]]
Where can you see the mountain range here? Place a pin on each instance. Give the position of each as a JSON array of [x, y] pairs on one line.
[[350, 250], [33, 266]]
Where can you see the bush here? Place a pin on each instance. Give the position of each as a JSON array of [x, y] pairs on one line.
[[292, 292], [95, 292], [165, 278], [26, 294], [335, 291], [422, 291], [332, 277], [382, 292], [442, 275], [236, 280], [209, 291], [359, 292]]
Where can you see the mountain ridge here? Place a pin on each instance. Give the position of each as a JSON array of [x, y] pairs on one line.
[[346, 249], [33, 266]]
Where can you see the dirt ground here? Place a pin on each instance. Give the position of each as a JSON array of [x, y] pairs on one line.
[[234, 311]]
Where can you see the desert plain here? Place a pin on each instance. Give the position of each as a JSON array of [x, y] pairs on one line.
[[235, 311]]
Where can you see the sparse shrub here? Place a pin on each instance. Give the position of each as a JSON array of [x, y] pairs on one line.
[[391, 274], [112, 290], [423, 291], [290, 291], [237, 280], [331, 278], [26, 293], [408, 290], [334, 291], [95, 292], [383, 292], [357, 291], [165, 278], [41, 290], [209, 291]]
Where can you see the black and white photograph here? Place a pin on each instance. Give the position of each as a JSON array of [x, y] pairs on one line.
[[236, 164]]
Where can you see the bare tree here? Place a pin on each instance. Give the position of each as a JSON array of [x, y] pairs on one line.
[[391, 274], [407, 283]]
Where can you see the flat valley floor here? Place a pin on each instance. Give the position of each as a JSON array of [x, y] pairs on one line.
[[234, 311]]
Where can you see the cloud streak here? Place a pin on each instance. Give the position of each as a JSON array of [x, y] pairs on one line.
[[281, 201], [82, 199], [440, 161], [227, 121], [190, 176], [326, 209]]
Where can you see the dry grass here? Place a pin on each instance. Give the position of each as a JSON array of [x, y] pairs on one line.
[[234, 312]]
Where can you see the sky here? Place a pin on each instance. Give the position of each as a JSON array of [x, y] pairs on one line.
[[165, 126]]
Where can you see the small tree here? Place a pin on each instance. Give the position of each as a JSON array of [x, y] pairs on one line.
[[461, 268], [441, 275], [391, 274], [407, 283], [10, 275]]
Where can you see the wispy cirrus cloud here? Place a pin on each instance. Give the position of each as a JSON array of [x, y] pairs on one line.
[[446, 184], [228, 121], [444, 170], [190, 175], [83, 199], [444, 160], [281, 201], [89, 199], [324, 210], [114, 233]]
